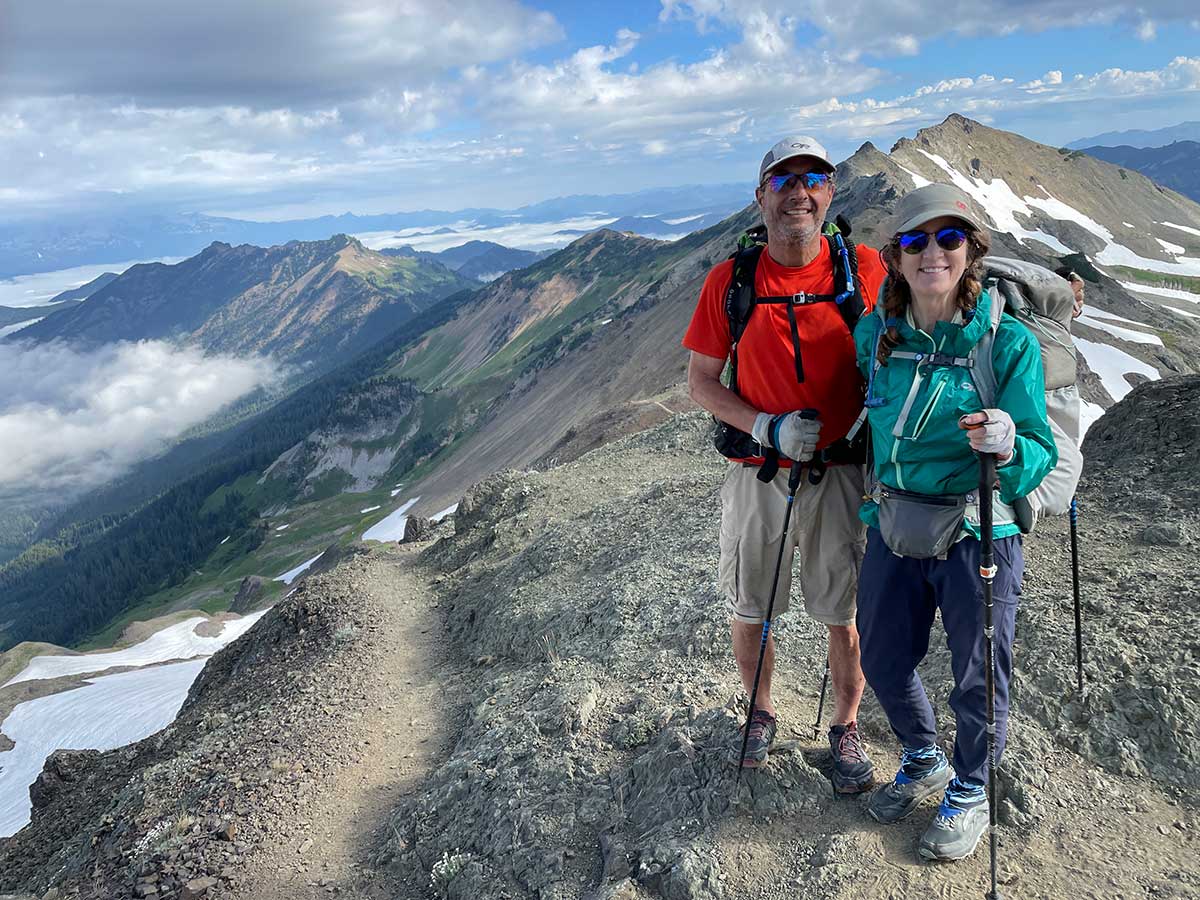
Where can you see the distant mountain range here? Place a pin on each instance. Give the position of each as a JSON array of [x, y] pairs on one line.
[[1176, 165], [302, 301], [1159, 137], [29, 246], [480, 260]]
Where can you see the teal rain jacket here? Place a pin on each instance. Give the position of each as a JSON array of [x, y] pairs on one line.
[[933, 455]]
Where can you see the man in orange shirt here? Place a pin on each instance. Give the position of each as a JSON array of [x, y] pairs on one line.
[[798, 393]]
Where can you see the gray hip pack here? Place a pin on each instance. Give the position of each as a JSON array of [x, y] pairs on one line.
[[921, 526]]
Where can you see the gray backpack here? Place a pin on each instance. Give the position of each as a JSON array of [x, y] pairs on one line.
[[1043, 302]]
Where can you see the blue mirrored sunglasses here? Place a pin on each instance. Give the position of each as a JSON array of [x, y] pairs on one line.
[[948, 239], [811, 181]]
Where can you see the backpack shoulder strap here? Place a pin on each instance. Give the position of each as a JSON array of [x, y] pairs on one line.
[[847, 293], [983, 372], [739, 302]]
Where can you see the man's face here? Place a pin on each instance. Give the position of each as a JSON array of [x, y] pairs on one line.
[[795, 214]]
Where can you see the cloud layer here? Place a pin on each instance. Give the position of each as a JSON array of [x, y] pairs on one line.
[[72, 420]]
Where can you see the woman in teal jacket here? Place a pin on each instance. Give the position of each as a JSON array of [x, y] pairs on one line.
[[927, 426]]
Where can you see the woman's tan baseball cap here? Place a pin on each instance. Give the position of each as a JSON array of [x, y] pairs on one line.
[[932, 202]]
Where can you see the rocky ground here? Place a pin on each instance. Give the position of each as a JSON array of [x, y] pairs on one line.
[[582, 700]]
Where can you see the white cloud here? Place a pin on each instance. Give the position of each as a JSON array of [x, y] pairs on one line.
[[72, 419], [265, 53], [986, 96], [593, 98], [886, 28]]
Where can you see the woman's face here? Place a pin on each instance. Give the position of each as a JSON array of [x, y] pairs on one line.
[[935, 271]]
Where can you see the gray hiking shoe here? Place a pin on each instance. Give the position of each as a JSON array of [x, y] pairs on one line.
[[899, 797], [852, 769], [955, 833], [762, 735]]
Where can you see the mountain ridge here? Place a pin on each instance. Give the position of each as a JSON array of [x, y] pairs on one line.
[[301, 300], [1176, 165]]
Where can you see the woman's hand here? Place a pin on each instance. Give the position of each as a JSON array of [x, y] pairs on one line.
[[990, 431]]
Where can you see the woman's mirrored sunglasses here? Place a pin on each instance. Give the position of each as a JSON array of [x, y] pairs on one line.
[[811, 181], [948, 239]]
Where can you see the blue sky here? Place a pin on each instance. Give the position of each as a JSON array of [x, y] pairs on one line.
[[279, 108]]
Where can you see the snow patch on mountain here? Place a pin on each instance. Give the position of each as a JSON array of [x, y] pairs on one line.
[[1112, 365], [919, 181], [292, 574], [179, 641], [10, 329], [85, 719], [1171, 248], [1000, 203], [1124, 334], [391, 528], [1174, 293], [1187, 228]]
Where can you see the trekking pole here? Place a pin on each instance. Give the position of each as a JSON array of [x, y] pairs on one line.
[[1075, 585], [821, 702], [987, 572], [793, 486]]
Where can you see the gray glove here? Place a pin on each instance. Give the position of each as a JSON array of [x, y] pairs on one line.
[[793, 434], [991, 431]]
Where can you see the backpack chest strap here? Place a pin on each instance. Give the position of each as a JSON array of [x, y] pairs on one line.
[[937, 358], [800, 299]]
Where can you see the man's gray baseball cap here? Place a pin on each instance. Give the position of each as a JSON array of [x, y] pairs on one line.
[[790, 148], [932, 202]]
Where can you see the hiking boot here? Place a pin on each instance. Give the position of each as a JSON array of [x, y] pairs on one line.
[[897, 799], [852, 769], [762, 735], [956, 831]]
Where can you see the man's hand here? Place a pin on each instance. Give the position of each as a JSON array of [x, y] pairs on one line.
[[1077, 288], [991, 431], [793, 434]]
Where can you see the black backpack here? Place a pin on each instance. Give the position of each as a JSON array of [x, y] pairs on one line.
[[740, 301]]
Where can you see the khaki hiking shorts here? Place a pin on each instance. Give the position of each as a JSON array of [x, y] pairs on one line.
[[824, 527]]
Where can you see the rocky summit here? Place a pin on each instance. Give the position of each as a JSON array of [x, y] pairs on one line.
[[537, 701]]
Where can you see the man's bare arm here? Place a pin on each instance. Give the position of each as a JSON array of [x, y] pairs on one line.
[[704, 387]]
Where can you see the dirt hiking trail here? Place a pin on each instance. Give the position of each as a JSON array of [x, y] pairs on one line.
[[399, 734]]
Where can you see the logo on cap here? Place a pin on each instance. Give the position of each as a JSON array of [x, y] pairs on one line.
[[800, 146]]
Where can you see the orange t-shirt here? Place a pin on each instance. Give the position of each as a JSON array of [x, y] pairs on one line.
[[766, 362]]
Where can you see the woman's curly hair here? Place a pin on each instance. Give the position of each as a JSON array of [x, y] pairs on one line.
[[896, 295]]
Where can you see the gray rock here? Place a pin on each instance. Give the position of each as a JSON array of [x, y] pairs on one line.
[[1164, 534], [249, 593]]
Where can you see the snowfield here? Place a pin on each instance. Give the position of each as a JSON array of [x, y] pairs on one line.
[[104, 714], [179, 641], [292, 574], [391, 527], [449, 510], [1124, 334], [1112, 364], [9, 329], [1002, 204], [1173, 293], [999, 201]]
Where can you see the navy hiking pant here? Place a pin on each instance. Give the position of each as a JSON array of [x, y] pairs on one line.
[[897, 598]]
